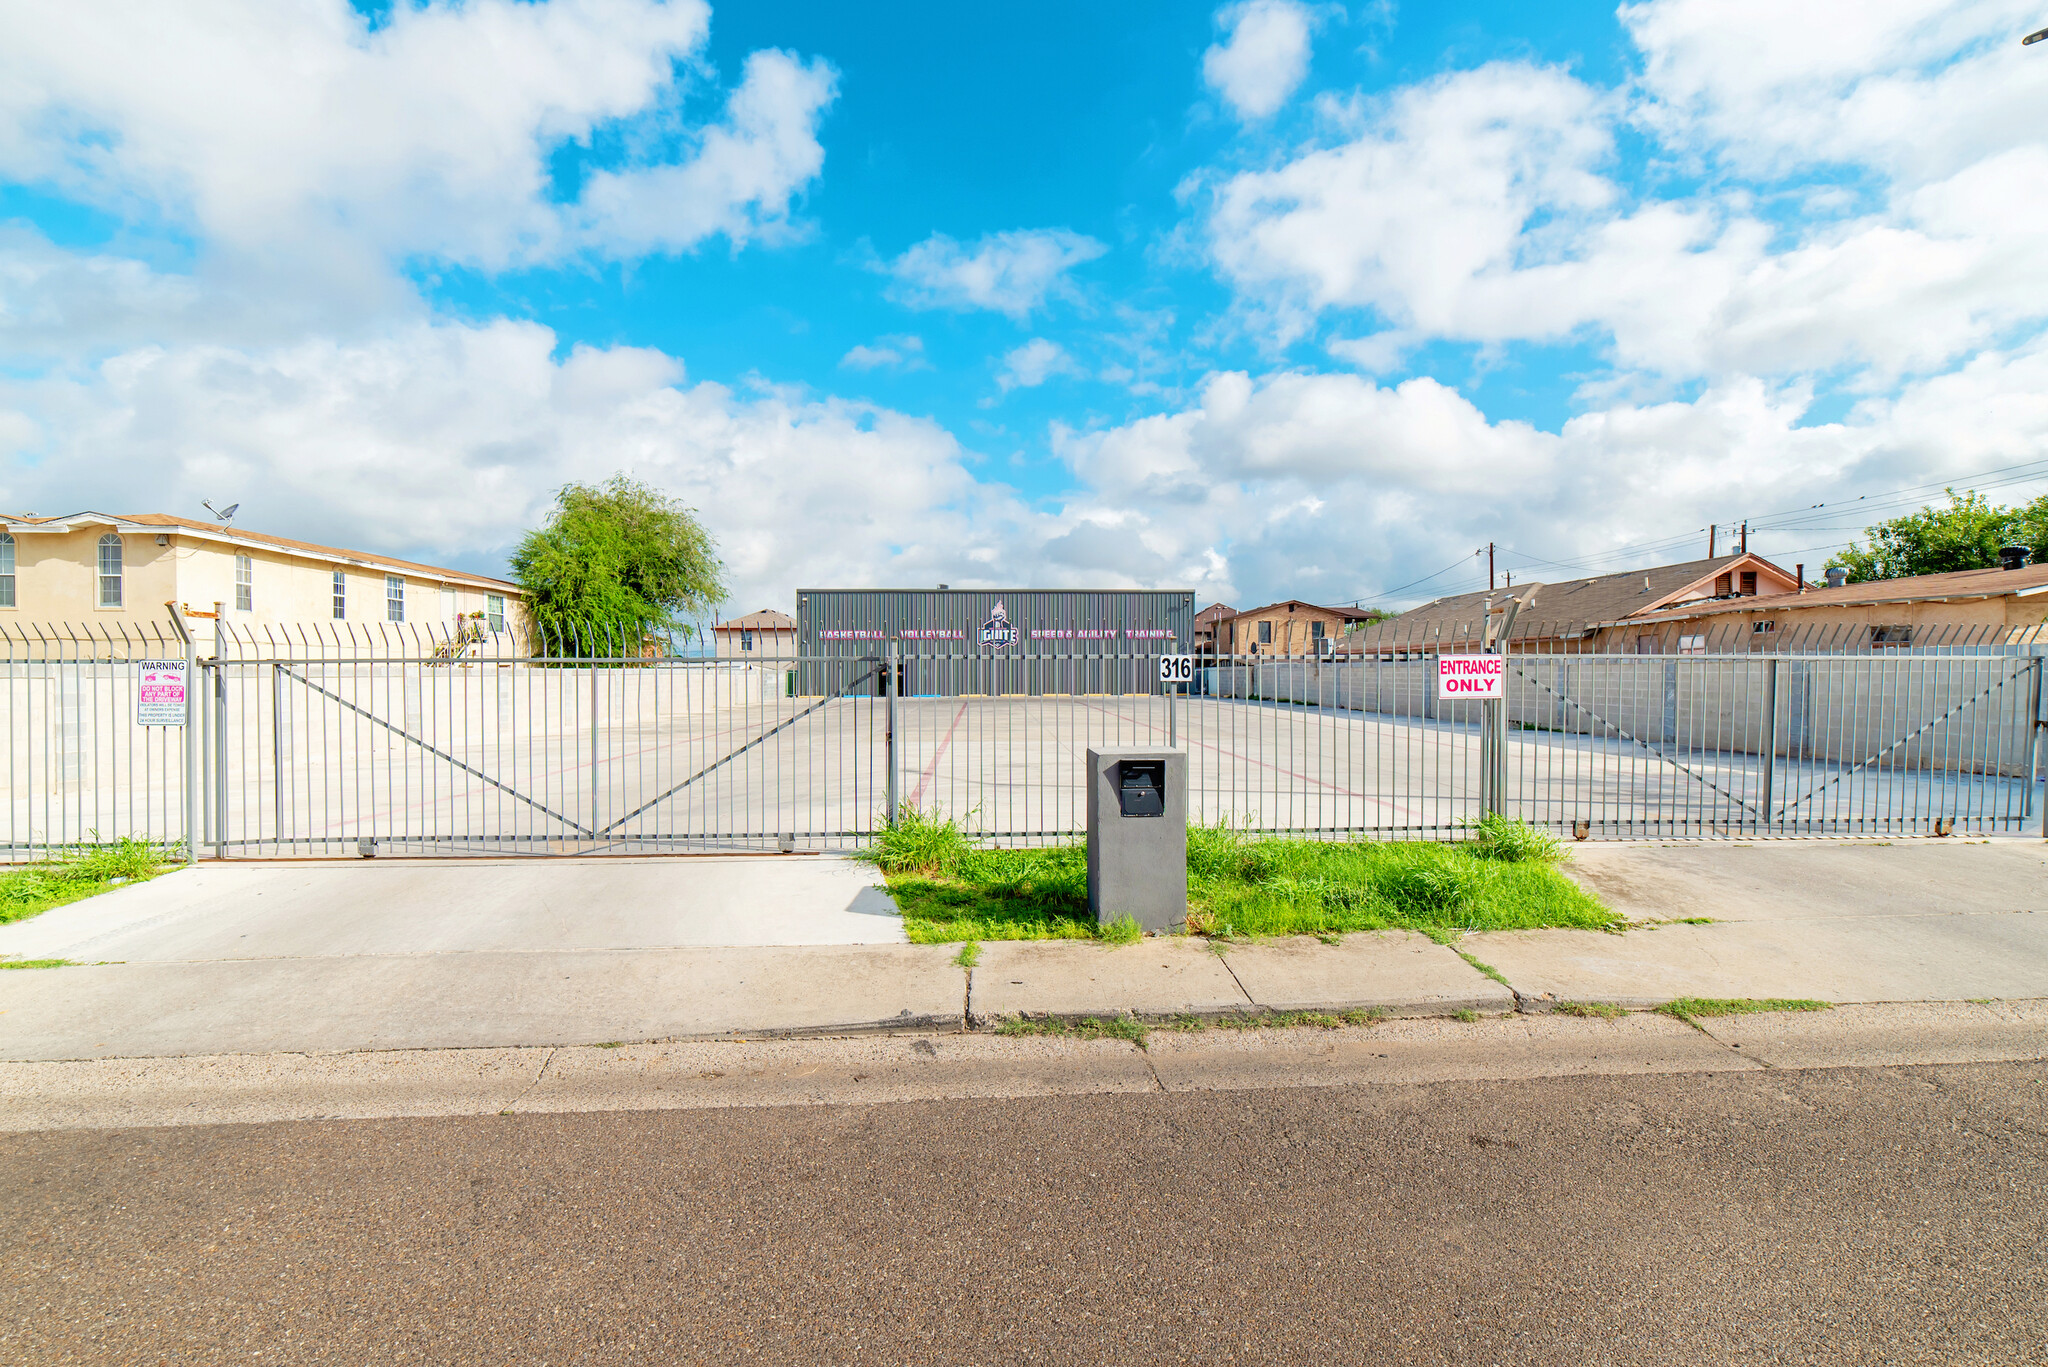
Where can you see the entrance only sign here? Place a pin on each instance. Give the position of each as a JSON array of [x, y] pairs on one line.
[[1471, 677], [160, 692]]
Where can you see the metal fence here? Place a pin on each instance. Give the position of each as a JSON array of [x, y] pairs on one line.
[[409, 740]]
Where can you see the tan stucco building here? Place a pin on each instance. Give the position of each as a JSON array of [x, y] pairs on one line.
[[766, 632], [112, 569]]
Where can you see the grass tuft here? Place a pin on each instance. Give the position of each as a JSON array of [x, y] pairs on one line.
[[36, 963], [1690, 1009], [1514, 842], [1239, 886], [969, 955], [1093, 1027], [29, 889], [1598, 1010]]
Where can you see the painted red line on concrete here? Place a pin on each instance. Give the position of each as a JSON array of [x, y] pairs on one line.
[[924, 779]]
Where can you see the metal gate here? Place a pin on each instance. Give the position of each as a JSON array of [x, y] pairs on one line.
[[402, 740]]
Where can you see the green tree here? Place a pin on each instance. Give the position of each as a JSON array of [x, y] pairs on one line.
[[1965, 535], [615, 561]]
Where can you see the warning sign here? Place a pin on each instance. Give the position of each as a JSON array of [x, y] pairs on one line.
[[160, 692], [1470, 677]]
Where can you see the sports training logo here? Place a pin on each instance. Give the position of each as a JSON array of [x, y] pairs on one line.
[[996, 632]]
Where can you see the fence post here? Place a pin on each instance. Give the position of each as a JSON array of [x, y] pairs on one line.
[[2037, 723], [1770, 739], [276, 757], [220, 759], [892, 661], [191, 755]]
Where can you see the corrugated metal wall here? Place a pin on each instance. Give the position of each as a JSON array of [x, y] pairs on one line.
[[1061, 641]]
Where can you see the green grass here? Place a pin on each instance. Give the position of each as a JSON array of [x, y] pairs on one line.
[[1595, 1010], [1690, 1009], [29, 889], [1239, 885], [35, 963], [969, 955], [1128, 1027]]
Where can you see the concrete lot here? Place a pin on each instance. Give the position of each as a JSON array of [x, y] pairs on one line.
[[740, 776]]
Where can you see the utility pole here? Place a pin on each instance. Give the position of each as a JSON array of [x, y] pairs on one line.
[[1489, 567], [1710, 539], [1745, 536]]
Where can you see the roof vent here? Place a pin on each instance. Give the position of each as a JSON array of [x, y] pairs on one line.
[[1837, 576], [2015, 557]]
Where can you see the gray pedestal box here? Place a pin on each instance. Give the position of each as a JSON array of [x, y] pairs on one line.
[[1138, 836]]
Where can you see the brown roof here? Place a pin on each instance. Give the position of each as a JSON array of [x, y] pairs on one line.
[[1599, 598], [1290, 604], [1919, 588], [283, 543], [762, 619], [1215, 612]]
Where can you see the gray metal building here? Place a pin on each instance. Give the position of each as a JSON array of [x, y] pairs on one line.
[[990, 641]]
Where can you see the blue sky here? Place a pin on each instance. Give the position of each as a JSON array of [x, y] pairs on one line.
[[1271, 299]]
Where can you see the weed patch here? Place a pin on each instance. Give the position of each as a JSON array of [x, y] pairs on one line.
[[29, 889], [36, 963], [969, 955], [1690, 1009], [1596, 1010]]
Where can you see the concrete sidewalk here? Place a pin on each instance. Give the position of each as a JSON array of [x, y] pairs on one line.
[[284, 967]]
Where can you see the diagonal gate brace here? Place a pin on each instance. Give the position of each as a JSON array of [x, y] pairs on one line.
[[439, 753]]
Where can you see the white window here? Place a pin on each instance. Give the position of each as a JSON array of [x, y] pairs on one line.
[[494, 604], [1692, 645], [245, 584], [451, 606], [746, 640], [6, 570], [110, 571], [340, 596], [394, 598]]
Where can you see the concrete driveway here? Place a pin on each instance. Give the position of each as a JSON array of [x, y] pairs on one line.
[[380, 907]]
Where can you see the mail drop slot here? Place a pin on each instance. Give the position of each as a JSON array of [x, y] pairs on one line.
[[1141, 787]]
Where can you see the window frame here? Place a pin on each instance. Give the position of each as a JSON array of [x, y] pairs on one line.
[[394, 598], [494, 611], [112, 541], [340, 596], [245, 583], [1265, 633], [7, 569]]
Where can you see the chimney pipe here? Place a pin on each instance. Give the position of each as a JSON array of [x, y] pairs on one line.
[[1837, 577], [2014, 557], [1799, 574]]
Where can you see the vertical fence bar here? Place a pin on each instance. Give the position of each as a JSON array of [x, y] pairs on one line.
[[1769, 742], [892, 661]]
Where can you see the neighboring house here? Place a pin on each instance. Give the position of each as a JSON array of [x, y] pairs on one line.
[[1202, 640], [766, 632], [2008, 603], [106, 569], [1291, 627], [1587, 613]]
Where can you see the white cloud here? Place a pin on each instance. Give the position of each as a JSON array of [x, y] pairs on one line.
[[293, 131], [446, 441], [1264, 57], [1032, 364], [1485, 206], [895, 351], [1009, 272]]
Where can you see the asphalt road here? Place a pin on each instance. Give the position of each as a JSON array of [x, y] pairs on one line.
[[1839, 1216]]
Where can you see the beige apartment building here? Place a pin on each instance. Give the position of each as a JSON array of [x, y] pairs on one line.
[[122, 569], [766, 632]]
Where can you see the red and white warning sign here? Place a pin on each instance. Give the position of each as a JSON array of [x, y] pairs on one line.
[[1470, 677]]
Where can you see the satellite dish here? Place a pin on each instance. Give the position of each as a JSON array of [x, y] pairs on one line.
[[226, 514]]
